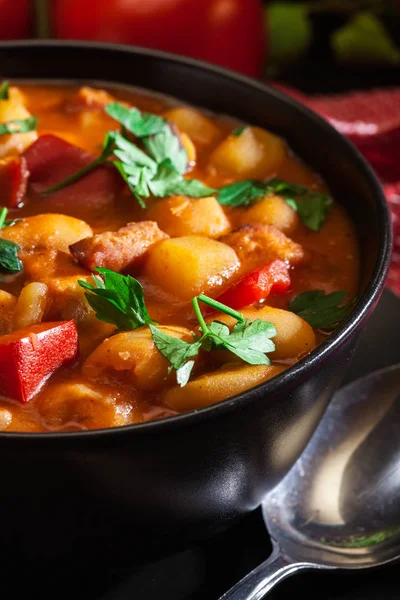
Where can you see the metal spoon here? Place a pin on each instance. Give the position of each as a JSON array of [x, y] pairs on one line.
[[339, 506]]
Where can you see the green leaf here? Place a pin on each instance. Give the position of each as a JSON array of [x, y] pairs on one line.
[[138, 123], [312, 206], [166, 144], [365, 40], [4, 90], [177, 352], [248, 340], [241, 193], [117, 299], [9, 261], [18, 126], [321, 310], [238, 132]]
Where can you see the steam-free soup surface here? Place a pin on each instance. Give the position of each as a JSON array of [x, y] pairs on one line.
[[64, 368]]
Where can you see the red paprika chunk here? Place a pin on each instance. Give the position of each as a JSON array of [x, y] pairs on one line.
[[50, 160], [30, 355], [274, 278], [13, 180]]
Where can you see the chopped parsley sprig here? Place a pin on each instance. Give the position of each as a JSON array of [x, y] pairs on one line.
[[157, 172], [119, 299], [18, 126], [4, 90], [249, 340], [320, 310], [9, 261], [311, 206]]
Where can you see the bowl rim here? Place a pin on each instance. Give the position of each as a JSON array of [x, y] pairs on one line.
[[365, 302]]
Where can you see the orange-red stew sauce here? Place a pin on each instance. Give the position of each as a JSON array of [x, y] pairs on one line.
[[177, 247]]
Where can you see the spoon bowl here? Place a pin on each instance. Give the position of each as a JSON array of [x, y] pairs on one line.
[[339, 506]]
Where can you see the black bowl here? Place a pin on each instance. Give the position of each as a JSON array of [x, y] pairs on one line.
[[169, 482]]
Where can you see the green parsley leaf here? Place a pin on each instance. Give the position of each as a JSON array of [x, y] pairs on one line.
[[4, 90], [117, 299], [3, 222], [241, 193], [247, 340], [321, 310], [9, 261], [166, 144], [177, 352], [237, 132], [312, 206], [138, 123], [167, 182], [18, 126]]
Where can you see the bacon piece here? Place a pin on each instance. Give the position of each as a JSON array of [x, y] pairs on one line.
[[51, 159], [257, 245], [88, 97], [13, 180], [118, 250]]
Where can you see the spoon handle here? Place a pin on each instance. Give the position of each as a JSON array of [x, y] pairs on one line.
[[263, 578]]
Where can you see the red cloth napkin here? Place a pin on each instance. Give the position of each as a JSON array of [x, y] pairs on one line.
[[371, 120]]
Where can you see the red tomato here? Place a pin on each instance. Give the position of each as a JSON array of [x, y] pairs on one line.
[[226, 32], [15, 19]]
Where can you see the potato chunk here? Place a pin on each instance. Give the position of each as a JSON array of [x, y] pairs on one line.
[[197, 126], [135, 353], [257, 245], [7, 306], [47, 231], [294, 338], [216, 386], [31, 305], [81, 405], [15, 143], [273, 210], [179, 216], [187, 266], [255, 154]]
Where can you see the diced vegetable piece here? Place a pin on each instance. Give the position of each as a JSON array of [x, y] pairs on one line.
[[294, 336], [15, 143], [51, 160], [180, 216], [51, 264], [88, 97], [7, 306], [254, 154], [13, 180], [256, 245], [118, 250], [198, 127], [31, 305], [273, 210], [188, 266], [135, 352], [47, 231], [78, 404], [29, 356], [213, 387], [274, 278]]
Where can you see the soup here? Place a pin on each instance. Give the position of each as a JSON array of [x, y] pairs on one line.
[[155, 259]]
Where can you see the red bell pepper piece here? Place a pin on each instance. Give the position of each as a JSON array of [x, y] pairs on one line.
[[13, 181], [274, 278], [30, 355], [51, 159]]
